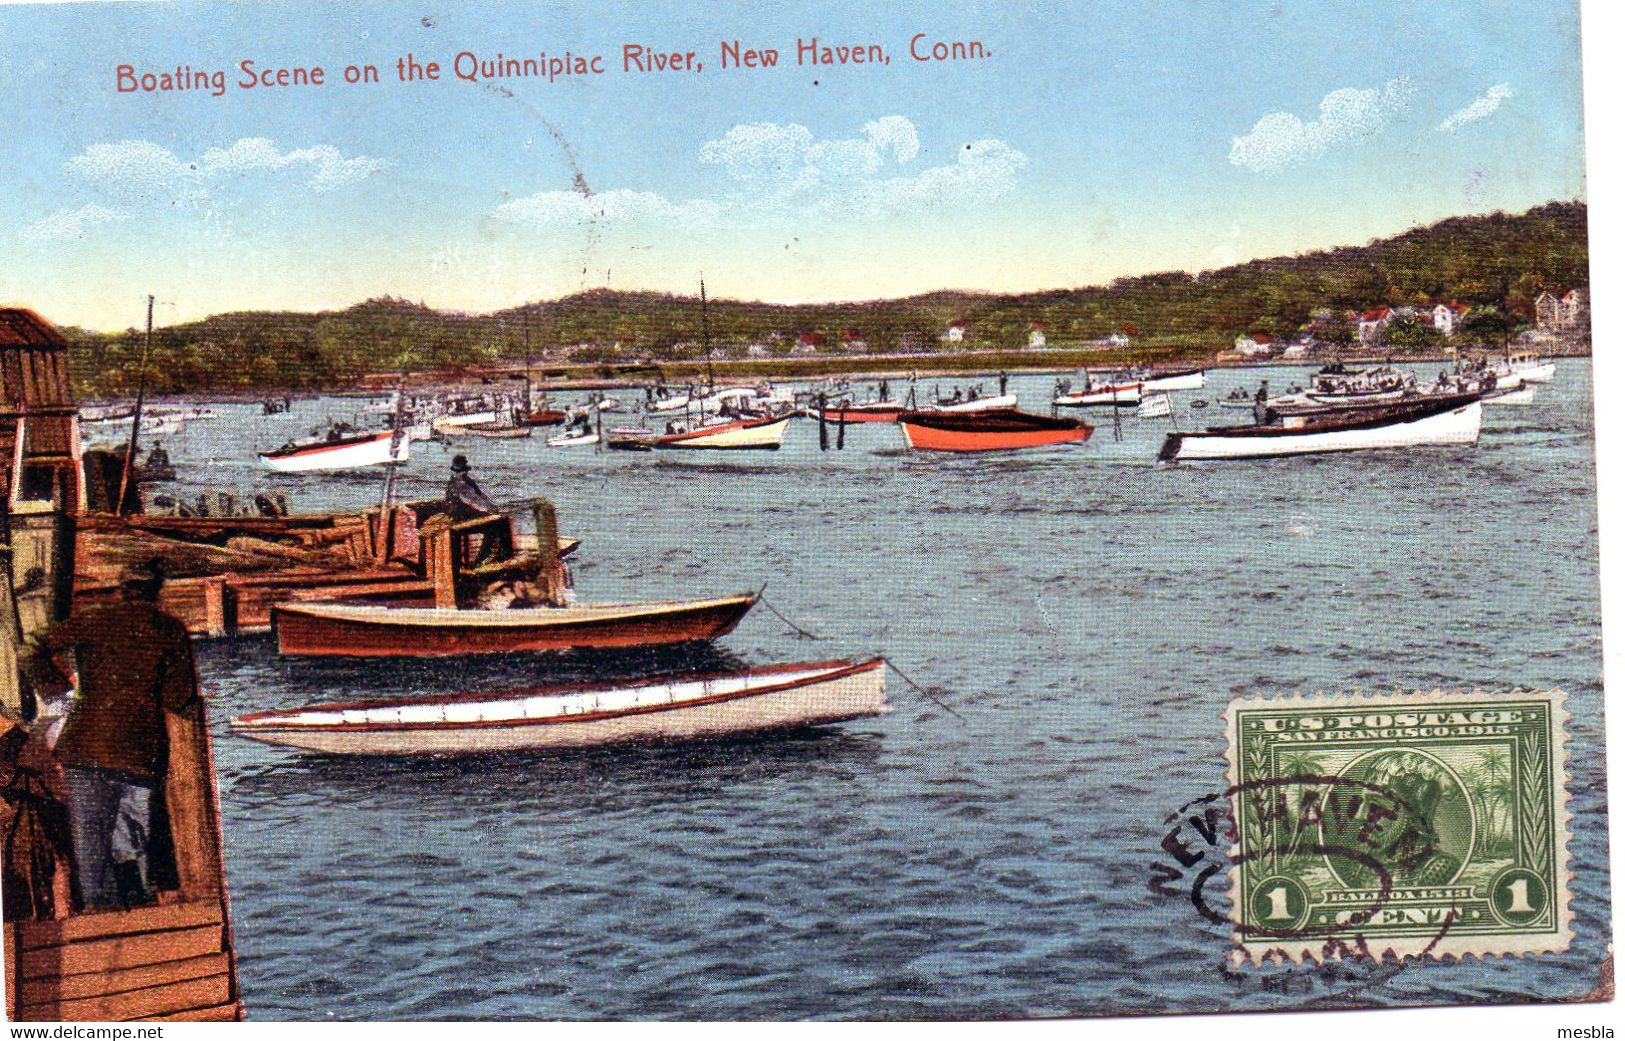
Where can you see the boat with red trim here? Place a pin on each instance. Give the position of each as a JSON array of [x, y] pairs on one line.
[[988, 431], [763, 433], [343, 452], [657, 709], [371, 631]]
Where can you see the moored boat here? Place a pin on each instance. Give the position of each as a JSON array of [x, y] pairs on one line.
[[1430, 420], [361, 630], [574, 438], [988, 431], [1516, 394], [1154, 379], [630, 439], [657, 709], [861, 412], [1116, 395], [496, 430], [765, 433], [340, 453], [991, 403]]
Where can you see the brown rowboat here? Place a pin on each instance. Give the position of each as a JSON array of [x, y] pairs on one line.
[[335, 630]]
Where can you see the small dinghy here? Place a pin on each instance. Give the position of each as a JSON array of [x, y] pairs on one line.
[[371, 631], [988, 431], [658, 709], [574, 439], [1446, 420]]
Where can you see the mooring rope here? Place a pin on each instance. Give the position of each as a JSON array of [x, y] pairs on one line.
[[925, 691], [800, 632]]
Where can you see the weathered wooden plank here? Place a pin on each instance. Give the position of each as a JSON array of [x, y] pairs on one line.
[[116, 981], [135, 1004], [121, 952], [98, 925], [231, 1012]]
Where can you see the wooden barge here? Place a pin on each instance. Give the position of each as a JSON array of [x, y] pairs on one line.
[[170, 960]]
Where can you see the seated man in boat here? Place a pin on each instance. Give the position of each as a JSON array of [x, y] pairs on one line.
[[465, 501], [134, 666]]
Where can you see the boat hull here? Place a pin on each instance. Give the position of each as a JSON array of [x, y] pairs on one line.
[[997, 403], [860, 414], [1542, 372], [572, 440], [1517, 396], [759, 434], [1453, 426], [1124, 396], [346, 455], [682, 710], [332, 630], [1194, 379], [932, 432]]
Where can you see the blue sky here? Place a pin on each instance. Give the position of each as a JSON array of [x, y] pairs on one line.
[[1095, 140]]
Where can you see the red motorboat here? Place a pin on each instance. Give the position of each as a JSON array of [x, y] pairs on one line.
[[543, 417], [988, 431], [361, 630]]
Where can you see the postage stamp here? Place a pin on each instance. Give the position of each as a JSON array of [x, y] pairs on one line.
[[1430, 824]]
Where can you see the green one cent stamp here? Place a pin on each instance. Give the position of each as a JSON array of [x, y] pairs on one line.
[[1431, 824]]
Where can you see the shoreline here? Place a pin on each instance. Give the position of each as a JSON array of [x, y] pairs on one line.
[[590, 376]]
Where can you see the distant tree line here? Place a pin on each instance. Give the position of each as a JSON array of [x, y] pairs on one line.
[[1497, 264]]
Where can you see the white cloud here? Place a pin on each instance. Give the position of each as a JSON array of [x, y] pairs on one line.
[[783, 166], [1480, 108], [142, 167], [328, 168], [1280, 139], [71, 224], [620, 206], [777, 169]]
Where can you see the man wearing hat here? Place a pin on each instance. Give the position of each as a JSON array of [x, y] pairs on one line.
[[465, 501], [134, 666]]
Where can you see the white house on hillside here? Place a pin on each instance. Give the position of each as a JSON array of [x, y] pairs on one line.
[[1447, 318], [1035, 334], [1254, 344], [956, 332]]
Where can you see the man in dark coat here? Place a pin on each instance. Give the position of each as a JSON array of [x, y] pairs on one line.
[[134, 666], [465, 501]]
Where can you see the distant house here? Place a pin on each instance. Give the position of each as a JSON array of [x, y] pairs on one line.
[[1564, 315], [852, 340], [956, 333], [1298, 350], [1254, 344], [756, 350], [1447, 318], [808, 343], [1372, 323], [1035, 334]]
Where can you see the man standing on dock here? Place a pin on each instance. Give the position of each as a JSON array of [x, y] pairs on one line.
[[134, 666]]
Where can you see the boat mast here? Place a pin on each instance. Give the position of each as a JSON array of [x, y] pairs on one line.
[[705, 340], [135, 423]]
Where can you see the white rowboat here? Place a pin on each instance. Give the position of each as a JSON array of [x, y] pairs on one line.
[[671, 709]]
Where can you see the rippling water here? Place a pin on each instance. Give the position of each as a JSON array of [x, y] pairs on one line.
[[1085, 614]]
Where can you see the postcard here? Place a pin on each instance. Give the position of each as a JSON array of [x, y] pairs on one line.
[[581, 512]]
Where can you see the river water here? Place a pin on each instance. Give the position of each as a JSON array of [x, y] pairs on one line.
[[1084, 613]]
